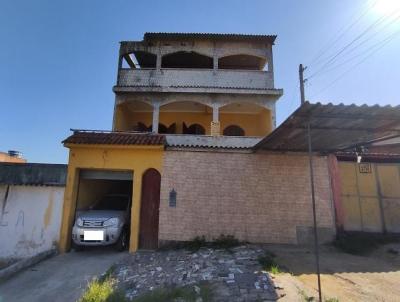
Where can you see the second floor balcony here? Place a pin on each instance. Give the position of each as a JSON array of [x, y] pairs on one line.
[[196, 78]]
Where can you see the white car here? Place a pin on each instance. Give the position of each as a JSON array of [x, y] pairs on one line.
[[107, 222]]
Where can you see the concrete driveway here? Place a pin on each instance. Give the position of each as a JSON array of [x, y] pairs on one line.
[[62, 278]]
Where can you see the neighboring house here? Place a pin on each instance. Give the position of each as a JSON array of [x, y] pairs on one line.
[[190, 112], [12, 157]]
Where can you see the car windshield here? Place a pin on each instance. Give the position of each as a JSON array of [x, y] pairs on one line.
[[112, 202]]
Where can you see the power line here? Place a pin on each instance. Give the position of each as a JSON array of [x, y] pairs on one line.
[[342, 33], [332, 59], [365, 51], [353, 67]]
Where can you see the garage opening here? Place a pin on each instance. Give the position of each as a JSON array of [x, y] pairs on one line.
[[103, 209]]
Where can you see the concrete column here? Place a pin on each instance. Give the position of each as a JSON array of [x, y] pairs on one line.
[[215, 125], [215, 61], [215, 57], [158, 61], [159, 57], [215, 113], [156, 116], [135, 210], [270, 105]]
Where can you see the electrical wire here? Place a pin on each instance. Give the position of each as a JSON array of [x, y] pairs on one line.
[[363, 52], [355, 66], [341, 34], [333, 58]]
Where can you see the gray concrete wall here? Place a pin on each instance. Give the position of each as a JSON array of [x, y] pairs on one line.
[[252, 79]]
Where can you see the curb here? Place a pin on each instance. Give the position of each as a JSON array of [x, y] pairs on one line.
[[25, 263]]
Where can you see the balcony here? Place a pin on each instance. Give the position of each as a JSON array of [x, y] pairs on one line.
[[201, 80]]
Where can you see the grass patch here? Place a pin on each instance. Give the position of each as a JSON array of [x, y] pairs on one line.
[[307, 298], [103, 291], [268, 263], [184, 294], [222, 242], [195, 244], [361, 243], [225, 242]]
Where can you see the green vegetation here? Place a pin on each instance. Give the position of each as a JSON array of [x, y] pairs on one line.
[[222, 242], [184, 294], [307, 298], [225, 242], [362, 243], [268, 263], [195, 244], [332, 300], [102, 291]]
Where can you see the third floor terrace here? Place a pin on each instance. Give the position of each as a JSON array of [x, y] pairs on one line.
[[169, 62]]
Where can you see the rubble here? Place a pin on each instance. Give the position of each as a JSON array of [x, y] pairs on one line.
[[234, 274]]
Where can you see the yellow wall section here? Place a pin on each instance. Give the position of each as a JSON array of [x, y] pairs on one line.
[[127, 158], [253, 124]]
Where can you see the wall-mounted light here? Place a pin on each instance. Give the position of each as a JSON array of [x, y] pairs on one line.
[[172, 198], [359, 157]]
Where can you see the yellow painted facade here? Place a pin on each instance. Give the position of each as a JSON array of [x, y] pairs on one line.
[[259, 124], [136, 159], [371, 196]]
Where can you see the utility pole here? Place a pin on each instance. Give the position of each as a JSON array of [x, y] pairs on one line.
[[302, 81], [310, 157]]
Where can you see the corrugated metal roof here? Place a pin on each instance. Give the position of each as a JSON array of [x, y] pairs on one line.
[[114, 138], [333, 127], [215, 142], [33, 174], [210, 36], [369, 156]]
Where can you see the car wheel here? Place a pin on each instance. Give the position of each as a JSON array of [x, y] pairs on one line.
[[122, 243]]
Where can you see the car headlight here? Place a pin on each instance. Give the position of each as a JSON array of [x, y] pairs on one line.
[[110, 222], [79, 222]]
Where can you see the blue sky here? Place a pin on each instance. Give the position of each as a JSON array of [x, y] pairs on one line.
[[58, 59]]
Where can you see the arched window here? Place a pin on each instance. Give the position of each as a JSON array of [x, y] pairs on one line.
[[186, 59], [194, 129], [243, 62], [233, 130], [139, 59], [162, 129], [142, 127]]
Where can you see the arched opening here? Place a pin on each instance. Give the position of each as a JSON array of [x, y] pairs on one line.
[[233, 130], [149, 209], [163, 129], [185, 59], [243, 62], [139, 59], [181, 115], [253, 119], [133, 116], [194, 129]]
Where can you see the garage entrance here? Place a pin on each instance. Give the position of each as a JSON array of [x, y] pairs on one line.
[[149, 210], [102, 195]]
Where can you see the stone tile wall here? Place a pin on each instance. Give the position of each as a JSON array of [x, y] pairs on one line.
[[263, 198]]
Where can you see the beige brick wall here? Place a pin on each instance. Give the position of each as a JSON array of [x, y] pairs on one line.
[[255, 197]]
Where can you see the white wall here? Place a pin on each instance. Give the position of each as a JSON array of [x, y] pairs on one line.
[[30, 219]]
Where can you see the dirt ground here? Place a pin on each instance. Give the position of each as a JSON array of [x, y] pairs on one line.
[[346, 277]]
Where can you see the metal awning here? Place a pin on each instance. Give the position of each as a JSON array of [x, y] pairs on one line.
[[333, 127]]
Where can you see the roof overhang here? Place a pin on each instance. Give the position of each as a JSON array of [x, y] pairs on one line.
[[333, 128]]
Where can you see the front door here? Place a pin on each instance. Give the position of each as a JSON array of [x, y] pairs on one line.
[[149, 209]]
